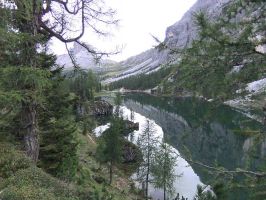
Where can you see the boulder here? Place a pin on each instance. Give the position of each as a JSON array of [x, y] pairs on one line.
[[131, 125], [101, 108]]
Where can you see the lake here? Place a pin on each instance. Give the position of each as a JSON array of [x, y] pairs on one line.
[[209, 133]]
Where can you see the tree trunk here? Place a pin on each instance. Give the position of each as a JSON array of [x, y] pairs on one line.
[[30, 127], [164, 175], [147, 185], [264, 117], [111, 172], [164, 191], [148, 166]]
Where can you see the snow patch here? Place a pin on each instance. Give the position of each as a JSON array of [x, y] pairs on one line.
[[236, 69], [261, 48], [100, 129], [257, 87]]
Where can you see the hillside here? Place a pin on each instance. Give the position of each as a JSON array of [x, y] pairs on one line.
[[227, 40], [179, 35]]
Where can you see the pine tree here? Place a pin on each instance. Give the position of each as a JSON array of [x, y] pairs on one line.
[[147, 142], [59, 143], [118, 102], [26, 28], [110, 147], [163, 170]]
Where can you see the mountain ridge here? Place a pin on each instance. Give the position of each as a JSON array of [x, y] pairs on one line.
[[178, 35]]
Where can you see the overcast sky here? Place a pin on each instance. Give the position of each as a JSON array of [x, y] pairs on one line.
[[138, 20]]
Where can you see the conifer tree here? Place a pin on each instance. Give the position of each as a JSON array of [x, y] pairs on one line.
[[147, 142], [163, 170], [226, 55], [110, 147], [59, 143], [28, 26]]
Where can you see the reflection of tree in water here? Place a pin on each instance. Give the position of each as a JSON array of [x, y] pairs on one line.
[[213, 134]]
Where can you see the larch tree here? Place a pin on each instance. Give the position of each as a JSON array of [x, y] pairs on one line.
[[163, 170], [147, 142]]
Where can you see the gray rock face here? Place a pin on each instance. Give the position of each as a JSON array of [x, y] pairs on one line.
[[84, 59], [179, 35], [101, 108], [183, 32]]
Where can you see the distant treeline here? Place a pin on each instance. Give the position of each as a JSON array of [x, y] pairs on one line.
[[142, 81]]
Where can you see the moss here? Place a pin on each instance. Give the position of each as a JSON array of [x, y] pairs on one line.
[[95, 176], [33, 183], [11, 160]]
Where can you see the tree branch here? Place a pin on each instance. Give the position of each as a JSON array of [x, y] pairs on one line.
[[224, 171]]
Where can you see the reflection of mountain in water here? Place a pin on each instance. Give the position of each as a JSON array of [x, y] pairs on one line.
[[211, 133]]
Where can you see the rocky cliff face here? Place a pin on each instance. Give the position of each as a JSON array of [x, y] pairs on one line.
[[184, 31], [84, 59], [179, 35]]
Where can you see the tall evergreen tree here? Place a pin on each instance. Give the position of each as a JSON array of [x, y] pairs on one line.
[[28, 26], [110, 147], [59, 143], [163, 170], [147, 142]]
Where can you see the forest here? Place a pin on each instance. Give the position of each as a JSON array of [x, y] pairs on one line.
[[48, 115]]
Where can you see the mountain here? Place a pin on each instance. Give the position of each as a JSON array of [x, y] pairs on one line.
[[84, 59], [179, 35]]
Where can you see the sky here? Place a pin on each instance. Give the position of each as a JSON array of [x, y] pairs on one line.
[[139, 19]]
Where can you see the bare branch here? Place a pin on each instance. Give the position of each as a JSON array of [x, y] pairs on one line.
[[76, 9], [224, 171], [59, 36], [72, 57]]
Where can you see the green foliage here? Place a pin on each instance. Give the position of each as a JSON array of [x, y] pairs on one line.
[[32, 183], [20, 179], [20, 84], [59, 143], [142, 81], [110, 146], [147, 142], [83, 84], [163, 169], [118, 99], [35, 102], [118, 102], [204, 195], [207, 66], [11, 160]]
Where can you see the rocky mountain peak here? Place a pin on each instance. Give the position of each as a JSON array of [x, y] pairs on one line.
[[83, 58], [179, 35]]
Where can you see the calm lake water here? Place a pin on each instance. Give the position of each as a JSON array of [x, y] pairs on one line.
[[212, 134]]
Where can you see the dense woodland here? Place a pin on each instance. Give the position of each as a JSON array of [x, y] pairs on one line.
[[46, 149], [142, 81]]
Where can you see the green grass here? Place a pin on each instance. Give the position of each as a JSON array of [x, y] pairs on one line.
[[96, 176], [20, 179]]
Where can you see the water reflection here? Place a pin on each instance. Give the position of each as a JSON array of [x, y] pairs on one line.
[[186, 184], [203, 131]]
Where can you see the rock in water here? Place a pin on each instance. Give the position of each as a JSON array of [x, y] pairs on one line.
[[101, 108]]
